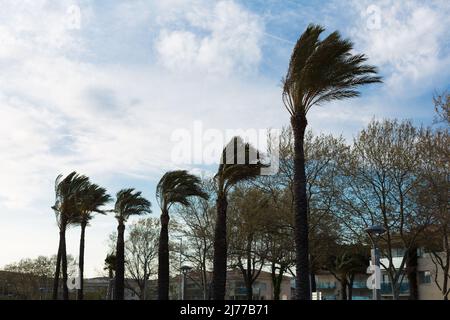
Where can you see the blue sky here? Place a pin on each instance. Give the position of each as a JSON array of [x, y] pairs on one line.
[[100, 87]]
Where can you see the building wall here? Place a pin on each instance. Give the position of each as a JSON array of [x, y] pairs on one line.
[[262, 287], [428, 290]]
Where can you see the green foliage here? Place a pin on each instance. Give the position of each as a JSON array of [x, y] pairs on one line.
[[69, 197], [177, 187], [129, 203], [243, 164], [323, 70]]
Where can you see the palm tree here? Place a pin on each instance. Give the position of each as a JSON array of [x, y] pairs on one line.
[[175, 187], [319, 71], [128, 203], [93, 198], [67, 203], [231, 171]]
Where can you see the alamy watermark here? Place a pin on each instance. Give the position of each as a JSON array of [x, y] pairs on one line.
[[73, 17], [200, 146], [373, 16]]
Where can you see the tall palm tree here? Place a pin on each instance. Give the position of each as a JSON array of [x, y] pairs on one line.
[[93, 198], [175, 187], [128, 203], [66, 207], [239, 167], [319, 71]]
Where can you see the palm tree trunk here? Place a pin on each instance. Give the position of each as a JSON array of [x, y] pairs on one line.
[[64, 265], [411, 272], [58, 270], [163, 258], [220, 249], [119, 287], [344, 285], [81, 261], [302, 285]]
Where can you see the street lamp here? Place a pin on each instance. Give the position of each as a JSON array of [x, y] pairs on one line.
[[374, 233], [184, 270]]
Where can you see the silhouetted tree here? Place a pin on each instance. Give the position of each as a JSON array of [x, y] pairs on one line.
[[128, 203], [93, 198], [175, 187], [239, 162], [67, 204], [319, 71]]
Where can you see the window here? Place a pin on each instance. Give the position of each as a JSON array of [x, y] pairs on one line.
[[420, 252], [424, 277], [398, 252]]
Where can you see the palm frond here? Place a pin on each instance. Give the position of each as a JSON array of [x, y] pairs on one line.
[[178, 187], [130, 202], [324, 70], [68, 193], [240, 161], [93, 197]]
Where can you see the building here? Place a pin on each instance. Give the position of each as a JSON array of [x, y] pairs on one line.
[[235, 287], [330, 288]]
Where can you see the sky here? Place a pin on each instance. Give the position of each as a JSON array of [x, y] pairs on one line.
[[102, 88]]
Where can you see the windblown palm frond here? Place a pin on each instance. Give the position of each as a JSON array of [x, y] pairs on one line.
[[178, 187], [93, 197], [130, 202], [240, 161], [324, 70], [69, 197]]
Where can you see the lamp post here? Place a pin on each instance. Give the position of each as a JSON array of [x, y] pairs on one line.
[[374, 232], [184, 270]]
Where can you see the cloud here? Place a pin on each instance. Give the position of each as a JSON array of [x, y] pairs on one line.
[[216, 39], [407, 40], [39, 26]]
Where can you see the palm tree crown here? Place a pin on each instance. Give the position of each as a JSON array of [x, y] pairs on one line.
[[243, 164], [93, 198], [323, 70], [130, 202], [177, 187], [69, 194]]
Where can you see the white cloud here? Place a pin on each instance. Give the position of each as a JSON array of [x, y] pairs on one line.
[[228, 41], [40, 26], [405, 39]]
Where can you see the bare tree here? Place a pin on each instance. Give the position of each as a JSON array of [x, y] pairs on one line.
[[249, 214], [378, 184], [141, 250], [433, 197], [197, 230]]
